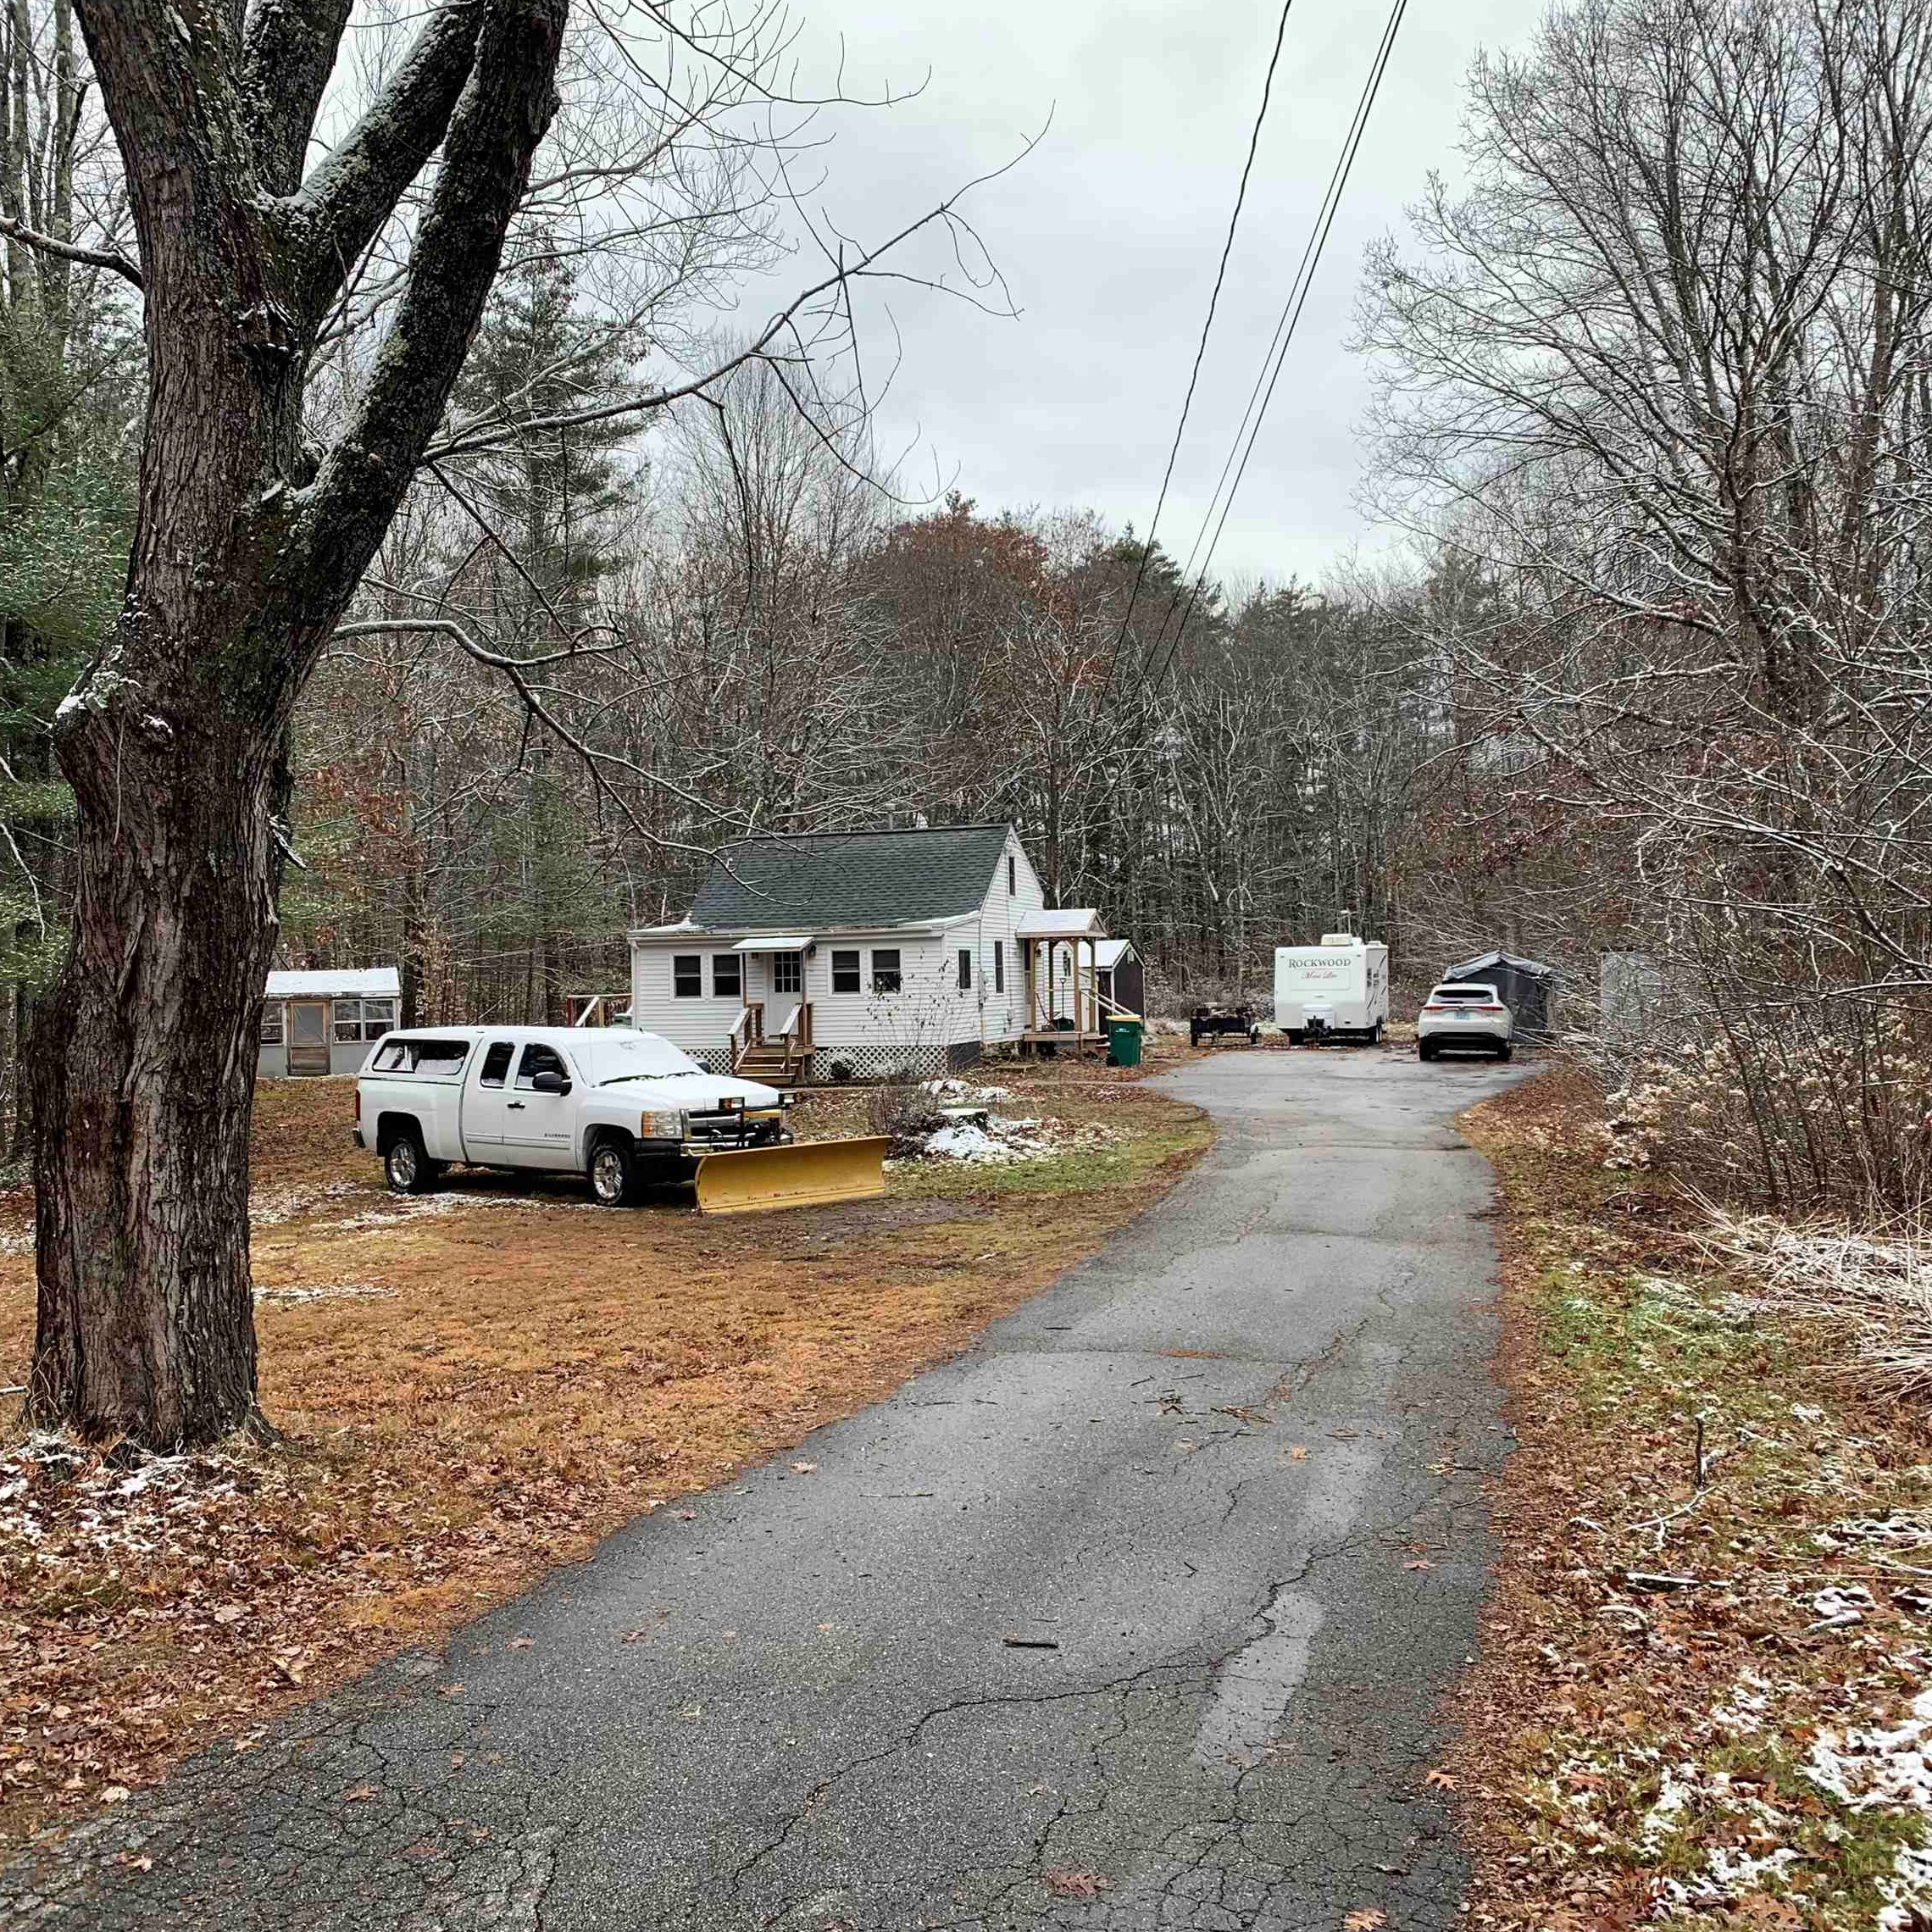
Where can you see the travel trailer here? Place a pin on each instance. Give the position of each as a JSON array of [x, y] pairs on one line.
[[1337, 988]]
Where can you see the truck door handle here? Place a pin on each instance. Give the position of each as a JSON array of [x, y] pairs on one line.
[[515, 1106]]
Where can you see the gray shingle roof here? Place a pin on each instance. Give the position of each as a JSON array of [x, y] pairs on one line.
[[816, 883]]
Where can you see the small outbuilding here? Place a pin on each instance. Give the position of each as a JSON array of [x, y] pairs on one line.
[[1119, 976], [319, 1022], [1526, 987]]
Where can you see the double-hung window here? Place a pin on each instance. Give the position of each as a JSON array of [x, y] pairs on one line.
[[362, 1019], [965, 969], [886, 977], [688, 975], [727, 975], [845, 972]]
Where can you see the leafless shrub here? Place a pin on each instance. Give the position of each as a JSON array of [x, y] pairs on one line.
[[905, 1113], [1804, 1109]]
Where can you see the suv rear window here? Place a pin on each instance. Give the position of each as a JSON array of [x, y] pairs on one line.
[[442, 1058]]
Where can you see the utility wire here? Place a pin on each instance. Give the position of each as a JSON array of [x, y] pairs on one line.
[[1201, 347], [1276, 355]]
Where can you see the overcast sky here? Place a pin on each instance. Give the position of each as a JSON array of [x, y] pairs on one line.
[[1109, 233]]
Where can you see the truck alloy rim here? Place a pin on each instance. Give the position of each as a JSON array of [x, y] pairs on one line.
[[402, 1161], [607, 1173]]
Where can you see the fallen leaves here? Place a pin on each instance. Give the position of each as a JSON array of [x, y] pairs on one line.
[[1064, 1883], [1441, 1779], [1364, 1918]]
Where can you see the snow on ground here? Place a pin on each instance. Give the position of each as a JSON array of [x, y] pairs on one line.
[[997, 1141]]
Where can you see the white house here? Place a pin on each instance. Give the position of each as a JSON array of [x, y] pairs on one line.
[[858, 955], [315, 1023]]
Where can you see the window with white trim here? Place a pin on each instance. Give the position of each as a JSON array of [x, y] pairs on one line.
[[886, 975], [688, 975]]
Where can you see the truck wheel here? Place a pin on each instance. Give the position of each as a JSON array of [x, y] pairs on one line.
[[408, 1168], [614, 1172]]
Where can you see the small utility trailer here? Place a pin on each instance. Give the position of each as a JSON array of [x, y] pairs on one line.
[[1216, 1023]]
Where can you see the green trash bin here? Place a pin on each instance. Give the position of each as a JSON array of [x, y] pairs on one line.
[[1124, 1040]]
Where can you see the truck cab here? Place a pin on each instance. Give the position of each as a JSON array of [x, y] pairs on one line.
[[620, 1106]]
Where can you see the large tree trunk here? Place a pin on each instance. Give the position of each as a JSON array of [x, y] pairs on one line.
[[246, 551], [144, 1068]]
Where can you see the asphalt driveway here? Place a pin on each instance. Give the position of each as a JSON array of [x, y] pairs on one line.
[[1135, 1616]]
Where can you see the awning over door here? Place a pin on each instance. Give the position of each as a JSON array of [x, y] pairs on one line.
[[777, 942]]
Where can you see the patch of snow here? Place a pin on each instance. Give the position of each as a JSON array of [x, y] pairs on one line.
[[339, 1291], [1750, 1699], [963, 1093]]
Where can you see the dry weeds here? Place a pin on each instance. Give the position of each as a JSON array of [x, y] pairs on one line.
[[474, 1386], [1702, 1691]]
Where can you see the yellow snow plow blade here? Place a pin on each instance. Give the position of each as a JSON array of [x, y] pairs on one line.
[[807, 1174]]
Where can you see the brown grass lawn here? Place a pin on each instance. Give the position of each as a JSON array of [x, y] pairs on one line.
[[476, 1385], [1662, 1692]]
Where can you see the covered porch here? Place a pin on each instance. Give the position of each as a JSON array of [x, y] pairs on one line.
[[1065, 1006]]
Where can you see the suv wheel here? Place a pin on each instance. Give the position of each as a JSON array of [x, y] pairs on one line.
[[1425, 1049], [1502, 1051], [614, 1172], [410, 1170]]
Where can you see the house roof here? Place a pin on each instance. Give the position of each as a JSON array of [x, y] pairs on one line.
[[826, 881], [1068, 922], [370, 982]]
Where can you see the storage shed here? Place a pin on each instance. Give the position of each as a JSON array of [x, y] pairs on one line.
[[1526, 987], [1120, 976], [323, 1022]]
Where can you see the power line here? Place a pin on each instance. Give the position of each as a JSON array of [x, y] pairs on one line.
[[1208, 324], [1278, 347]]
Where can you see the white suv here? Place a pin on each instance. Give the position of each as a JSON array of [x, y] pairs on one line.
[[1458, 1015]]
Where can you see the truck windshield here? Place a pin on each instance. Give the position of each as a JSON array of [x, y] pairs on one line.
[[616, 1054]]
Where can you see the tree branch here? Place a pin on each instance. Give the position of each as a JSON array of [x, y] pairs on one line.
[[505, 110], [288, 54], [108, 259], [354, 191]]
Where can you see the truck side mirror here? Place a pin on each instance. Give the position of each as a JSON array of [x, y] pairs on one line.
[[548, 1081]]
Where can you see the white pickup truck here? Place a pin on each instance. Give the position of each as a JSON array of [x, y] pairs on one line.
[[623, 1108]]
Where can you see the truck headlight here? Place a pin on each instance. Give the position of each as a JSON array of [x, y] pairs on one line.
[[667, 1124]]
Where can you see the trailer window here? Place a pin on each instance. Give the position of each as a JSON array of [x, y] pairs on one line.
[[845, 972], [885, 969], [496, 1064], [688, 975], [727, 975]]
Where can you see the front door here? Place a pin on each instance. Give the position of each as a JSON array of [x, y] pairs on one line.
[[539, 1129], [308, 1036]]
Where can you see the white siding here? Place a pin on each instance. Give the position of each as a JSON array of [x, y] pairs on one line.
[[929, 1010], [1003, 1015], [699, 1025]]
